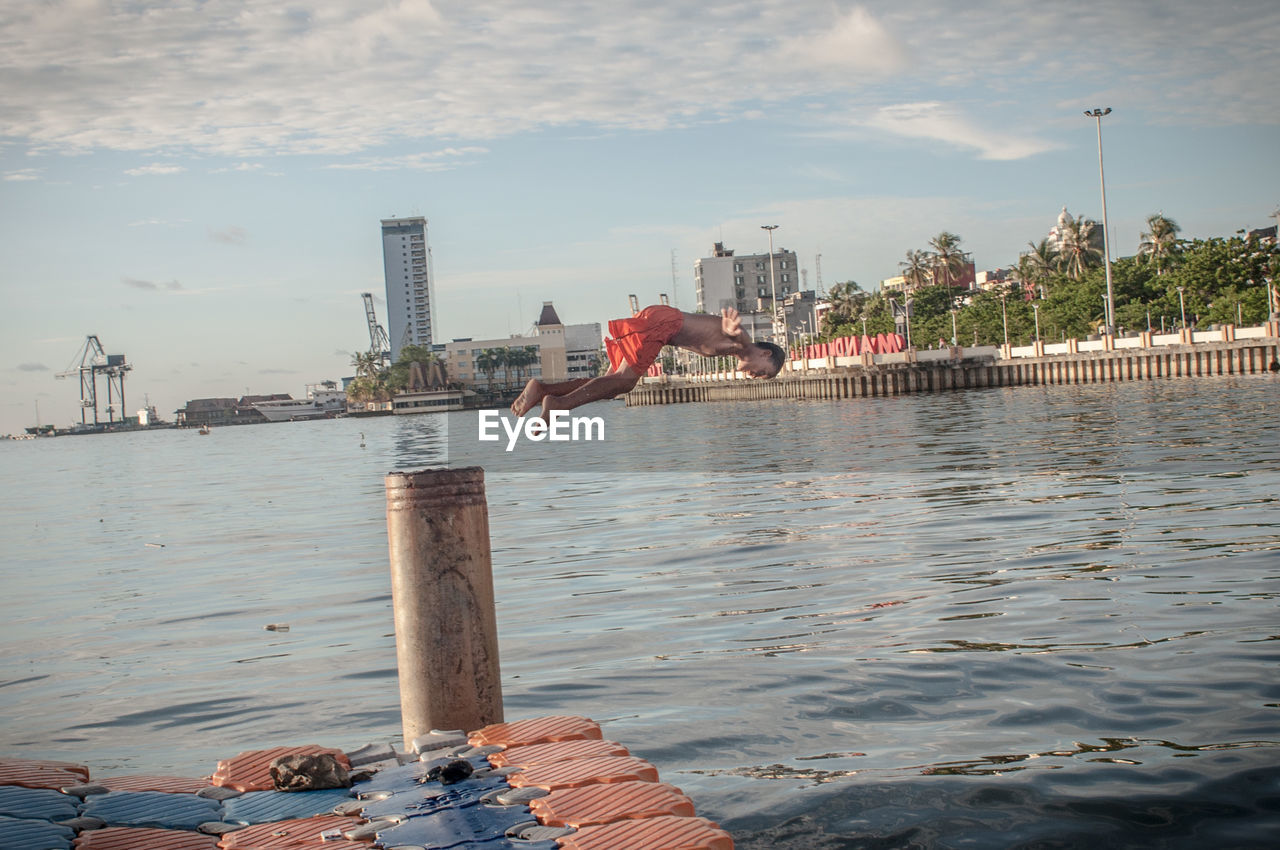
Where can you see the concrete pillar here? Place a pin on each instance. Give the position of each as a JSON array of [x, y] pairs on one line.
[[442, 600]]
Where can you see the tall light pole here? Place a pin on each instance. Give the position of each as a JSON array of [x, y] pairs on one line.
[[1036, 308], [1106, 230], [1182, 305], [1273, 304], [779, 318], [1004, 317]]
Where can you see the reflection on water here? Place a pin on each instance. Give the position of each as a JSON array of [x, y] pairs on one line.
[[1036, 617]]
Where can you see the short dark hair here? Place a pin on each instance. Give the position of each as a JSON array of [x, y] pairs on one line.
[[776, 355]]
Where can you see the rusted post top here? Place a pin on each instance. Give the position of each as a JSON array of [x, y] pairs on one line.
[[435, 488]]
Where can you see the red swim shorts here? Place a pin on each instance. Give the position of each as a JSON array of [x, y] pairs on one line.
[[638, 340]]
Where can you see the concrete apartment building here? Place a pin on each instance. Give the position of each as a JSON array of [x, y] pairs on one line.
[[406, 263], [563, 352], [743, 282]]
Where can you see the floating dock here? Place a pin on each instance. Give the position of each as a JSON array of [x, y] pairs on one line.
[[548, 783]]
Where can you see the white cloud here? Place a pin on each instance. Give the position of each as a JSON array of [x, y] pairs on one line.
[[940, 122], [251, 78], [22, 174], [441, 160], [855, 42], [155, 168]]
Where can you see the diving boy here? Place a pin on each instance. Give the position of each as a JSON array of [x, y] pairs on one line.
[[635, 344]]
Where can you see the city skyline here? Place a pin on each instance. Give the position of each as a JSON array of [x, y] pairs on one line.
[[200, 185]]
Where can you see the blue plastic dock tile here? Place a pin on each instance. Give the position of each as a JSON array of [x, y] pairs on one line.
[[454, 827], [152, 808], [42, 803], [26, 833], [400, 778], [269, 806], [432, 798]]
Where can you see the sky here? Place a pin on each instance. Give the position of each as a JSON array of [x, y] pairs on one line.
[[199, 183]]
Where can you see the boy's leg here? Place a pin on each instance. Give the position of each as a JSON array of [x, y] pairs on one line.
[[607, 386], [536, 390]]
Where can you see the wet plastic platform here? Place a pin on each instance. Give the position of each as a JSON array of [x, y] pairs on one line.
[[549, 783]]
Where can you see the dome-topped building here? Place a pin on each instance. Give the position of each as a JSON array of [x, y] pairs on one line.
[[1057, 232], [1058, 236]]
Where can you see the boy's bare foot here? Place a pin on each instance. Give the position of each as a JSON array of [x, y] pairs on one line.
[[549, 404], [528, 399]]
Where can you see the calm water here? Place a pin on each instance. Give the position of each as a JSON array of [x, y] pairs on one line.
[[1037, 617]]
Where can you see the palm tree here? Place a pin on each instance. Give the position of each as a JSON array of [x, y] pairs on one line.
[[488, 361], [1159, 244], [367, 364], [1036, 266], [847, 301], [520, 358], [1079, 249], [916, 271], [948, 259]]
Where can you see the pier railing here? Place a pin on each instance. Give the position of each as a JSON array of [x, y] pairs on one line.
[[1225, 351]]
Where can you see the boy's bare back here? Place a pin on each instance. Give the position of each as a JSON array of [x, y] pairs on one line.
[[712, 336]]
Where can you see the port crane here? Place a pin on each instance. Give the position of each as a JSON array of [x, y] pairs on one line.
[[94, 361], [379, 342]]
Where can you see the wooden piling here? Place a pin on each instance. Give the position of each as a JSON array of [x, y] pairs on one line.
[[442, 599]]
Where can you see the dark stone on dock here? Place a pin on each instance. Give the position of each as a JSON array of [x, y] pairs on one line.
[[309, 773], [451, 772]]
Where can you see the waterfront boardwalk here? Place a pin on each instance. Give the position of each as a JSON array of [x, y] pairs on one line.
[[540, 784], [868, 375]]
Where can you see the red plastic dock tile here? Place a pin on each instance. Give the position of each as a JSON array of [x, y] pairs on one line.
[[297, 834], [250, 771], [538, 730], [35, 773], [592, 805], [167, 784], [661, 833], [556, 751], [141, 838], [572, 774]]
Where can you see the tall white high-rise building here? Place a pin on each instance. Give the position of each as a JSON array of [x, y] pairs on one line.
[[406, 262]]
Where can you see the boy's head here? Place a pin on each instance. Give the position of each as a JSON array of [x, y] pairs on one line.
[[762, 360]]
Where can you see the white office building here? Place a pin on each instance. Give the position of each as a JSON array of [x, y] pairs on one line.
[[743, 282], [406, 262]]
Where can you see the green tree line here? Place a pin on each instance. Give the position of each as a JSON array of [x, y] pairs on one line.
[[375, 383], [1220, 280]]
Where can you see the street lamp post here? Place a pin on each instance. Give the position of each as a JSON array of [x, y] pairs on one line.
[[955, 335], [778, 321], [1004, 317], [864, 325], [1182, 305], [1036, 309], [1106, 230]]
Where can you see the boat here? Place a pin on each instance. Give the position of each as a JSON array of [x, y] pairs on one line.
[[204, 429], [323, 401], [431, 401]]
